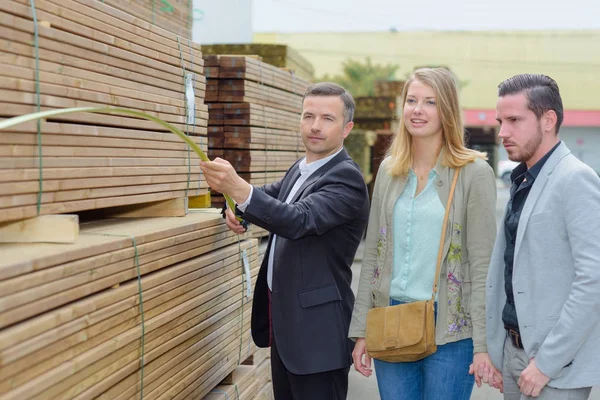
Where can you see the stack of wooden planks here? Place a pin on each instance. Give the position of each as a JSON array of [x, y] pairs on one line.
[[254, 121], [388, 88], [277, 55], [175, 16], [91, 54], [250, 381], [71, 323]]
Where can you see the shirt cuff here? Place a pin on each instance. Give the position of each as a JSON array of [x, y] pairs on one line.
[[242, 207]]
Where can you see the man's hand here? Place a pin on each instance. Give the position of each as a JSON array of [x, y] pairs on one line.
[[485, 372], [532, 380], [232, 222], [221, 176], [357, 355]]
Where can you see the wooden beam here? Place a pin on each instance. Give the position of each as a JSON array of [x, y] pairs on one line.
[[167, 208], [42, 229]]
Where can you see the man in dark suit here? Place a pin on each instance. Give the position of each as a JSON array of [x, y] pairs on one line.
[[316, 215]]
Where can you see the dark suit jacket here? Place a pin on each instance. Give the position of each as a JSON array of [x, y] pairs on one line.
[[318, 234]]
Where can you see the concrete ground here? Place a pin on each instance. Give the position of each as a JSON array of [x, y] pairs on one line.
[[361, 388]]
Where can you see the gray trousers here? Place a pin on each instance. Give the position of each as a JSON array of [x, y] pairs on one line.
[[515, 361]]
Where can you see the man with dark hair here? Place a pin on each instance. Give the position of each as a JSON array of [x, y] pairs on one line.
[[543, 285], [316, 215]]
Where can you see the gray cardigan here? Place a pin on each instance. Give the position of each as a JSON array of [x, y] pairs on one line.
[[468, 246]]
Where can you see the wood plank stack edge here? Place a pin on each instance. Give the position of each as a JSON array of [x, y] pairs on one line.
[[159, 306], [91, 54], [254, 118], [70, 315]]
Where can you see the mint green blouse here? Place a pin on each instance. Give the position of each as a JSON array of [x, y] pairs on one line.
[[417, 229]]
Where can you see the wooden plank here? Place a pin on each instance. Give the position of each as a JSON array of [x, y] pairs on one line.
[[91, 131], [50, 174], [166, 208], [53, 102], [259, 356], [25, 187], [12, 109], [266, 393], [94, 193], [22, 212], [16, 150], [48, 140], [46, 228], [239, 376], [94, 162]]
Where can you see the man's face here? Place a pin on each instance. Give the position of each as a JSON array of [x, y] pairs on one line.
[[520, 129], [322, 126]]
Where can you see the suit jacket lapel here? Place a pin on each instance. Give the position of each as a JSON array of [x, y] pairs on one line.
[[315, 175], [536, 190], [288, 184]]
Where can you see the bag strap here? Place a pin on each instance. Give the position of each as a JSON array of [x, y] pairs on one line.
[[443, 238]]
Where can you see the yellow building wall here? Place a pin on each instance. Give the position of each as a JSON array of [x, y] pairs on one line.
[[480, 59]]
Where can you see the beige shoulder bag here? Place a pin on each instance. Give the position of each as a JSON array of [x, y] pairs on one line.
[[406, 332]]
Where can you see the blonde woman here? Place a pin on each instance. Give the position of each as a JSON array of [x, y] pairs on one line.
[[403, 235]]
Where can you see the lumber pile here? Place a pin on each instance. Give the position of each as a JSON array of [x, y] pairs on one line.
[[277, 55], [175, 16], [388, 88], [250, 381], [359, 144], [254, 118], [91, 54], [71, 322]]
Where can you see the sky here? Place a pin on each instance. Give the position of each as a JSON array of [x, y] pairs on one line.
[[403, 15]]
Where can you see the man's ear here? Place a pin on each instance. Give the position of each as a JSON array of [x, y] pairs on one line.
[[549, 121], [348, 128]]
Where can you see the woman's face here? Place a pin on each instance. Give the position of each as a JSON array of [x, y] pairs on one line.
[[421, 117]]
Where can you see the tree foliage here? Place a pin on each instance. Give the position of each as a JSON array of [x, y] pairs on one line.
[[359, 77]]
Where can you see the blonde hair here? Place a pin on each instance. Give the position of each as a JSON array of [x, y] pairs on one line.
[[455, 153]]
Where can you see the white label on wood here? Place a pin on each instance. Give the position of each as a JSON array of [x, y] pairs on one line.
[[189, 98], [248, 276]]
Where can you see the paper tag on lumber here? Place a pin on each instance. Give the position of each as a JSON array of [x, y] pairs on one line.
[[189, 98], [248, 275]]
